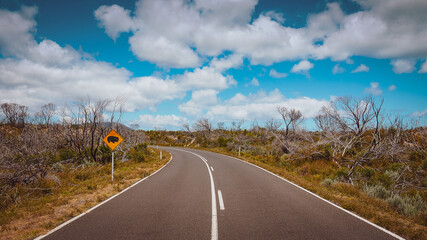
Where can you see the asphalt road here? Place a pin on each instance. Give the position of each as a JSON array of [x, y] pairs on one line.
[[204, 195]]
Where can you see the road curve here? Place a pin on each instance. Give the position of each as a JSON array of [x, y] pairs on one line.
[[248, 203]]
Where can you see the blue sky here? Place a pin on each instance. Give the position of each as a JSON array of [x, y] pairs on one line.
[[179, 61]]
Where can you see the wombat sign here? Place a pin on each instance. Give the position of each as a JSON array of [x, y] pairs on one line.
[[112, 139]]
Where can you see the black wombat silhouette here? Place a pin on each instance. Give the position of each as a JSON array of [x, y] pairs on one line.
[[112, 139]]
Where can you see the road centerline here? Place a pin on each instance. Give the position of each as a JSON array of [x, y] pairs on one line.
[[214, 228], [221, 201]]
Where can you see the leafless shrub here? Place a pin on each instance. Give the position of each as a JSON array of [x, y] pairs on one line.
[[292, 118], [86, 125], [16, 115], [203, 125]]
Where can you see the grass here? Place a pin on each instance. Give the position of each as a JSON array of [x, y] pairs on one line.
[[374, 203], [79, 190]]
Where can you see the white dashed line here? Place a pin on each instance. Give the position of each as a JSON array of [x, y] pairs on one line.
[[221, 201]]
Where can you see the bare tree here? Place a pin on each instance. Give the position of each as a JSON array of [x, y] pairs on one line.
[[16, 115], [237, 126], [272, 125], [220, 126], [46, 114], [292, 118], [203, 125], [86, 124]]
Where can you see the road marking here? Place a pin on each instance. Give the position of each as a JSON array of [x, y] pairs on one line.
[[214, 228], [100, 204], [333, 204], [212, 168], [221, 202]]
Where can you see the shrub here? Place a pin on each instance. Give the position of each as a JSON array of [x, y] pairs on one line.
[[222, 142], [105, 153], [366, 172], [139, 152], [327, 182], [377, 191], [409, 206]]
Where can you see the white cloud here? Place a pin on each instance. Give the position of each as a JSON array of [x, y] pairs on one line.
[[148, 121], [392, 88], [275, 74], [420, 114], [423, 67], [361, 68], [15, 31], [261, 106], [302, 66], [337, 69], [114, 19], [206, 78], [255, 82], [38, 73], [163, 51], [403, 66], [382, 29], [374, 89], [199, 101], [223, 64]]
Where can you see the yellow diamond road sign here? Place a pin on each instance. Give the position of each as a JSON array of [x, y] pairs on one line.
[[113, 139]]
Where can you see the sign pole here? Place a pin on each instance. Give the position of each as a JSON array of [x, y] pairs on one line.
[[112, 140], [112, 166]]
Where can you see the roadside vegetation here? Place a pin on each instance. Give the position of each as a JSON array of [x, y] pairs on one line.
[[366, 161], [54, 165]]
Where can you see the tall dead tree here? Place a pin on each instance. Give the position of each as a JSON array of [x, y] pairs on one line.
[[86, 124], [292, 118], [16, 115]]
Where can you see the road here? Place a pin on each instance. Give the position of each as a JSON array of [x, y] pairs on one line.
[[204, 195]]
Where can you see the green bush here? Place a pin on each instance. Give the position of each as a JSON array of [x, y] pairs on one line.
[[222, 142], [105, 154], [409, 206], [139, 152], [327, 182], [377, 191]]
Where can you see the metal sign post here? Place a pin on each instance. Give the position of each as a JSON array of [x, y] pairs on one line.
[[113, 139], [112, 166]]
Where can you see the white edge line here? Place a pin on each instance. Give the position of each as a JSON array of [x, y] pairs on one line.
[[100, 204], [214, 229], [212, 168], [333, 204], [221, 201]]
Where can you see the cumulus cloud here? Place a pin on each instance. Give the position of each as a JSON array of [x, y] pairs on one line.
[[160, 121], [303, 66], [223, 64], [337, 69], [374, 89], [392, 88], [275, 74], [361, 68], [114, 19], [37, 73], [206, 78], [403, 66], [200, 100], [420, 114], [423, 67], [262, 106], [202, 28], [255, 82]]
